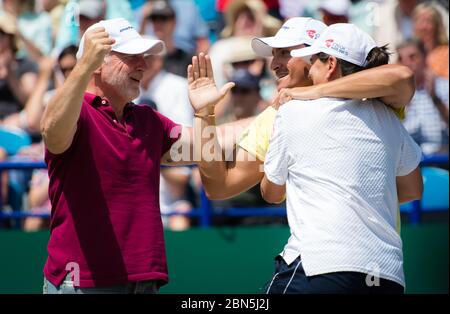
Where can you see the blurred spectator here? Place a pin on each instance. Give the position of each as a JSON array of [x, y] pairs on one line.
[[246, 100], [55, 8], [162, 18], [396, 23], [169, 93], [17, 75], [245, 19], [335, 11], [191, 32], [28, 119], [34, 27], [38, 199], [273, 6], [249, 18], [429, 28], [427, 114], [77, 17], [291, 8], [362, 13], [80, 14], [208, 11], [240, 57]]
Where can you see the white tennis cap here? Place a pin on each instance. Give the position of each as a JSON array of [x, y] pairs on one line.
[[343, 41], [294, 32], [128, 40]]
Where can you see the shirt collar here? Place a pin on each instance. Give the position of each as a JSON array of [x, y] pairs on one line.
[[97, 102]]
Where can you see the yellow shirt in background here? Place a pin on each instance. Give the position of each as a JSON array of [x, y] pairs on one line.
[[256, 138]]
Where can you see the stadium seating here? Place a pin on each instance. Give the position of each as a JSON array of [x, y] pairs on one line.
[[435, 195], [13, 139]]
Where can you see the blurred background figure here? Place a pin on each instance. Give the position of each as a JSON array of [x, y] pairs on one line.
[[249, 18], [396, 22], [245, 19], [52, 73], [55, 9], [77, 17], [168, 93], [427, 114], [429, 28], [246, 99], [273, 8], [17, 74], [162, 20], [243, 57], [33, 28], [191, 33], [335, 11]]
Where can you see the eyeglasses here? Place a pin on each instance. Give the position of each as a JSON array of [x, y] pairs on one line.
[[160, 18], [242, 90], [66, 71]]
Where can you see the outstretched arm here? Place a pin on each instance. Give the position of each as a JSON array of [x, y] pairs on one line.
[[393, 84], [221, 178]]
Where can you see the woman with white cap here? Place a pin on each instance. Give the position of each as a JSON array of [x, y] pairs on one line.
[[345, 165]]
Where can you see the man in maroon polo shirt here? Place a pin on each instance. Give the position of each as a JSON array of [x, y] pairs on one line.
[[103, 155]]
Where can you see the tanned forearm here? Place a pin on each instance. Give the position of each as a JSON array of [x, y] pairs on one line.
[[393, 84], [207, 150], [58, 124]]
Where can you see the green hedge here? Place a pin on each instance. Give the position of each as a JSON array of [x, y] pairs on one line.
[[227, 260]]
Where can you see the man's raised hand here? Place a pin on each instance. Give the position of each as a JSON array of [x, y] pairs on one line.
[[97, 44], [203, 92]]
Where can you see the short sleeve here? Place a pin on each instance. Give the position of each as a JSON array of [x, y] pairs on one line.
[[410, 155], [276, 163], [255, 139], [171, 132]]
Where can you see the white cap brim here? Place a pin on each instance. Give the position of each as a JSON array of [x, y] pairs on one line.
[[141, 45], [263, 46], [305, 53]]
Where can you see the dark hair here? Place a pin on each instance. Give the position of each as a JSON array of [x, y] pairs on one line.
[[69, 50], [376, 57], [413, 42]]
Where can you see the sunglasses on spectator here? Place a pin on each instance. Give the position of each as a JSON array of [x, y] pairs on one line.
[[242, 64], [66, 71], [242, 90], [160, 18]]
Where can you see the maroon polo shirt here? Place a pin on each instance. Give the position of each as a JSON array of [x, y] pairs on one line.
[[104, 191]]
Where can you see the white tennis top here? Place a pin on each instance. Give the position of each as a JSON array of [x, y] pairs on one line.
[[339, 159]]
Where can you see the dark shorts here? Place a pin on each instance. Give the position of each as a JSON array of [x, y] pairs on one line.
[[289, 279]]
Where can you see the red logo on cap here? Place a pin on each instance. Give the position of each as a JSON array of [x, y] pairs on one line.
[[329, 42], [311, 33]]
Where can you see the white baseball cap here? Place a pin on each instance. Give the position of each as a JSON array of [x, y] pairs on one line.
[[343, 41], [294, 32], [128, 40]]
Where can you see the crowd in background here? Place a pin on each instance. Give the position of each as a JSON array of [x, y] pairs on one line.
[[38, 45]]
